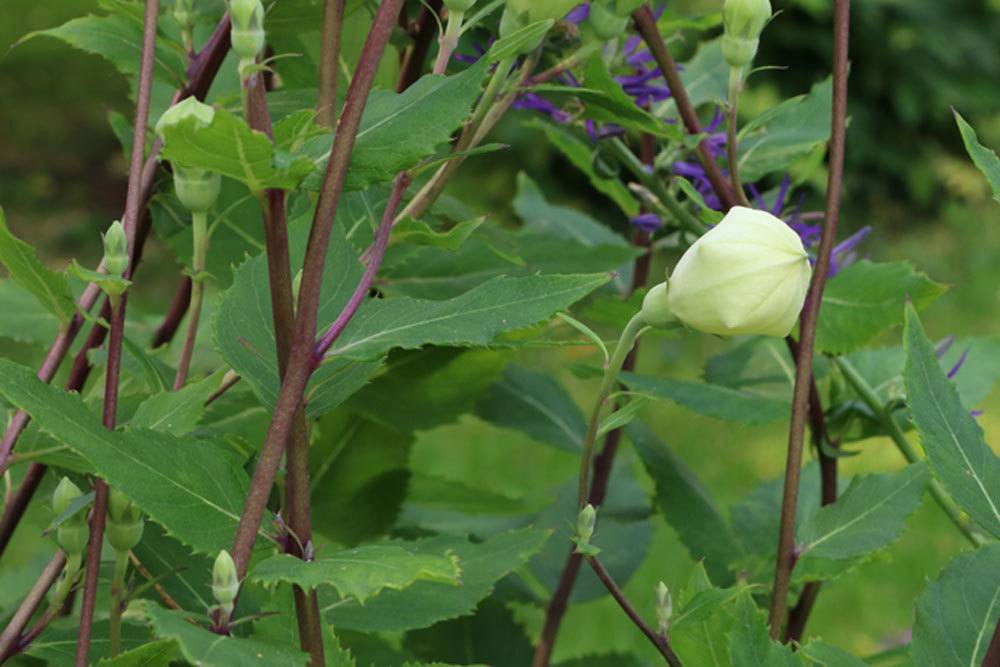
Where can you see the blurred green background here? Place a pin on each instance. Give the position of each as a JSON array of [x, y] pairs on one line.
[[62, 177]]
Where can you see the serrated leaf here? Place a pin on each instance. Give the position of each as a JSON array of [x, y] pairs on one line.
[[867, 298], [362, 572], [175, 412], [957, 613], [535, 404], [229, 147], [778, 137], [416, 232], [474, 318], [49, 288], [985, 159], [958, 455], [154, 654], [191, 488], [868, 516], [491, 637], [750, 645], [427, 602], [686, 504], [208, 649], [711, 400]]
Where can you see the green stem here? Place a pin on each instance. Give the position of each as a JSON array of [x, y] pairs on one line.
[[199, 228], [629, 335], [448, 41], [115, 617], [895, 432], [631, 162], [732, 142]]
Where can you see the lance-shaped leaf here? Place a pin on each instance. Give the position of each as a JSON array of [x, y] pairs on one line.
[[984, 158], [957, 613], [953, 441], [48, 287], [229, 147], [711, 400], [868, 516], [208, 649], [361, 572], [193, 489]]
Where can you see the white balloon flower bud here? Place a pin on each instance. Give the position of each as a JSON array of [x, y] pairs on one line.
[[748, 275]]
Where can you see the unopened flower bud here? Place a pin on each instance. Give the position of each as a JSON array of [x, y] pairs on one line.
[[225, 583], [459, 5], [540, 10], [125, 522], [605, 21], [748, 275], [72, 533], [184, 14], [197, 189], [585, 522], [744, 20], [247, 32], [188, 108], [655, 309], [664, 607], [115, 249], [66, 492]]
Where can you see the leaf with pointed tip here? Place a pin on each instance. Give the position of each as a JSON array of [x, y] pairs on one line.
[[711, 400], [959, 456], [362, 572], [750, 645], [48, 287], [826, 654], [984, 158]]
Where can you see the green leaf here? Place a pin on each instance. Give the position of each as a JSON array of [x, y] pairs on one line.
[[750, 644], [868, 516], [781, 135], [118, 39], [185, 576], [711, 400], [953, 441], [705, 77], [362, 572], [957, 613], [474, 318], [687, 506], [176, 412], [48, 287], [427, 602], [229, 147], [535, 404], [154, 654], [491, 637], [416, 232], [984, 158], [867, 298], [192, 488], [57, 645], [826, 654], [525, 37], [25, 319], [398, 130], [582, 157], [208, 649]]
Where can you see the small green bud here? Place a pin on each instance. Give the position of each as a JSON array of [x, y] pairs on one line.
[[225, 583], [664, 607], [540, 10], [189, 107], [744, 20], [125, 522], [66, 492], [459, 5], [115, 249], [585, 522], [121, 509], [184, 13], [605, 21], [655, 309], [197, 189], [247, 32], [71, 535]]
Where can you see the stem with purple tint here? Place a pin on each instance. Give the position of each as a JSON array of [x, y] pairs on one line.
[[9, 638], [329, 62]]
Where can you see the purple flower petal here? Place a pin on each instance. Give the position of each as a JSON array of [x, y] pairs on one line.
[[647, 222], [958, 364], [578, 14]]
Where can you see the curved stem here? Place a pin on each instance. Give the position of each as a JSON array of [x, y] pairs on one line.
[[895, 432], [732, 140], [199, 228], [629, 335]]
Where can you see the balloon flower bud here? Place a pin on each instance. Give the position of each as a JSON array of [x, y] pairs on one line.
[[459, 5], [664, 607], [540, 10], [744, 20], [125, 522], [115, 249], [71, 535], [247, 32], [196, 188], [655, 309], [187, 109], [585, 522], [225, 583], [747, 275], [605, 21]]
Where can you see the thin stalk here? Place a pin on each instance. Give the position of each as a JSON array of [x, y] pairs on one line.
[[329, 62], [659, 641], [645, 23], [625, 343], [134, 201], [732, 137], [117, 603], [566, 64], [30, 604], [807, 325], [199, 229], [175, 313], [895, 432], [422, 32], [448, 41]]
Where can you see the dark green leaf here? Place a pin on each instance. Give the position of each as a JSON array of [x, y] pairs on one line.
[[711, 400], [155, 654], [491, 637], [750, 644]]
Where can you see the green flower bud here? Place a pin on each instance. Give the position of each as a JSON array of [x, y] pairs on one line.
[[655, 309], [459, 5], [115, 249], [66, 492], [605, 21], [184, 13], [189, 107], [225, 583], [664, 607], [585, 522], [71, 535], [125, 522], [197, 189], [540, 10], [247, 32], [744, 20]]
